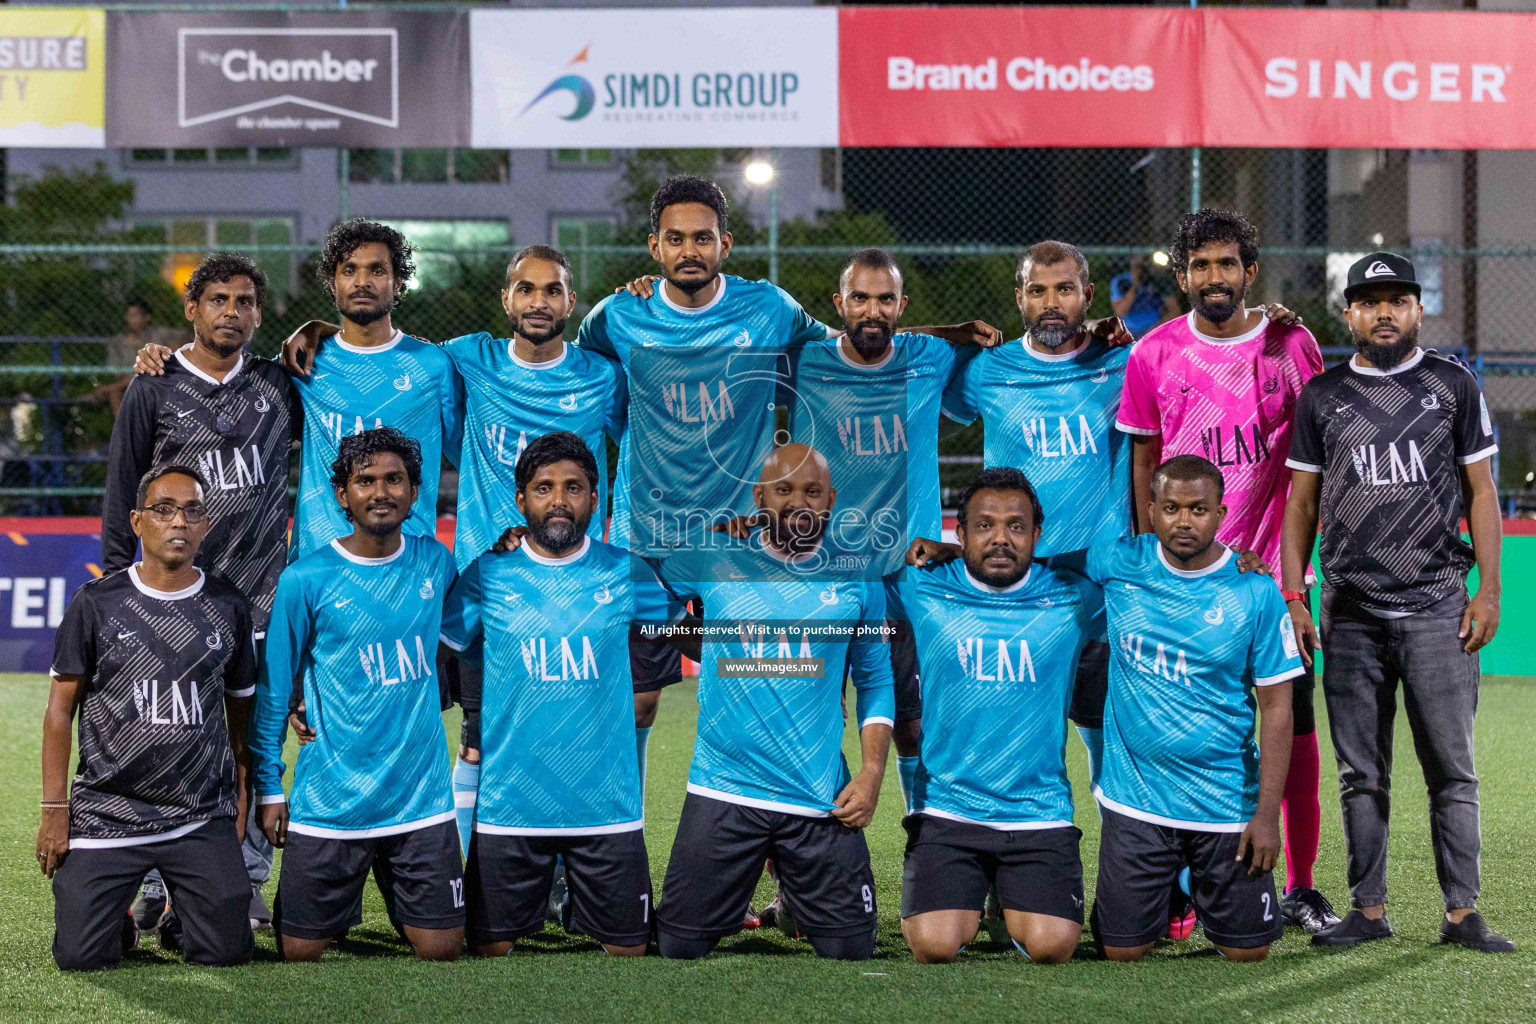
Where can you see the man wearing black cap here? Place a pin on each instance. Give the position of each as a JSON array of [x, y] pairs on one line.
[[1386, 446]]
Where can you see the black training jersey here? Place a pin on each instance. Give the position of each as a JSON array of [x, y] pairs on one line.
[[1387, 443], [155, 669], [237, 434]]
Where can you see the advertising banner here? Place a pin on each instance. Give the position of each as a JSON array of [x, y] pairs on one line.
[[689, 77], [42, 563], [52, 78], [370, 79], [1374, 79], [1033, 76]]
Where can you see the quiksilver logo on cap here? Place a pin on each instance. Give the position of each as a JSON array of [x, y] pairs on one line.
[[1378, 269]]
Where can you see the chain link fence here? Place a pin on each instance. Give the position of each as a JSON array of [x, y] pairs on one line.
[[73, 254]]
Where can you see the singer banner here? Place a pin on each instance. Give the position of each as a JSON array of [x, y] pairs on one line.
[[1099, 76], [1370, 79]]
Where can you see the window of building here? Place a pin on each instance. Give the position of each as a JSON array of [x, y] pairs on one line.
[[239, 156], [435, 267], [581, 157], [573, 234], [409, 166], [202, 234], [829, 169]]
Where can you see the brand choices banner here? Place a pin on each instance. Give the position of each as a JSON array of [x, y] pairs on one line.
[[694, 77], [371, 79], [986, 76], [51, 73]]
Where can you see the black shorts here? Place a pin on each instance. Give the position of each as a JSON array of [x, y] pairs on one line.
[[1139, 862], [1091, 686], [822, 865], [419, 873], [909, 693], [950, 865], [1303, 717], [654, 664], [204, 874], [608, 877]]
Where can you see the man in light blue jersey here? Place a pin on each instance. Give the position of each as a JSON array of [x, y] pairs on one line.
[[356, 623], [998, 641], [703, 356], [553, 722], [1197, 648], [786, 613], [1047, 402]]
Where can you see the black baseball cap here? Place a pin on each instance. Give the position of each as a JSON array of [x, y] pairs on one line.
[[1380, 268]]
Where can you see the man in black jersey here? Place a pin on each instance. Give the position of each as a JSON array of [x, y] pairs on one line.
[[155, 659], [1391, 450], [231, 416]]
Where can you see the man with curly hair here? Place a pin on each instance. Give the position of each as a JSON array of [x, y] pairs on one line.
[[357, 621], [231, 415], [370, 375], [1222, 383]]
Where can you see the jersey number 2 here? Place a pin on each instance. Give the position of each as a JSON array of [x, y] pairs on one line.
[[1269, 911]]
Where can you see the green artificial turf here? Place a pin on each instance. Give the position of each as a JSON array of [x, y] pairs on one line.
[[765, 976]]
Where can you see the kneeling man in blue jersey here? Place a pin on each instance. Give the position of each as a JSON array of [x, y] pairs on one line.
[[554, 722], [358, 620], [998, 641], [786, 610], [1196, 648]]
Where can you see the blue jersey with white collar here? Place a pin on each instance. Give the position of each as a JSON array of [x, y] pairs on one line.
[[702, 393], [405, 383], [509, 402], [557, 720], [1053, 416], [1187, 649], [878, 426], [769, 740], [362, 634], [998, 667]]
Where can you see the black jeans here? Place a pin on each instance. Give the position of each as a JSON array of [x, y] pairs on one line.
[[1365, 657]]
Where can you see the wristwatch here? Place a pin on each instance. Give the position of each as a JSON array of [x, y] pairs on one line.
[[1293, 595]]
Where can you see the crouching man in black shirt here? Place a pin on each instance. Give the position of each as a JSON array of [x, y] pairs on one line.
[[155, 658]]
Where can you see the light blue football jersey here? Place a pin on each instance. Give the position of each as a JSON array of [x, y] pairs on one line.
[[702, 393], [509, 402], [878, 427], [557, 718], [407, 384], [1186, 650], [776, 742], [997, 667], [1054, 418], [362, 633]]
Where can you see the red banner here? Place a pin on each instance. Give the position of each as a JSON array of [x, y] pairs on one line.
[[1371, 79], [1116, 76], [1037, 76]]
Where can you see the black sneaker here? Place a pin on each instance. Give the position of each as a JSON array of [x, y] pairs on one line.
[[1473, 933], [169, 932], [1308, 910], [260, 914], [150, 907], [1354, 929]]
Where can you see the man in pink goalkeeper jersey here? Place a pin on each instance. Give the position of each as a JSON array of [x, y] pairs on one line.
[[1222, 383]]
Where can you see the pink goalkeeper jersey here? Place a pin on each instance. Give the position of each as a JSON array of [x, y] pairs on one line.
[[1230, 401]]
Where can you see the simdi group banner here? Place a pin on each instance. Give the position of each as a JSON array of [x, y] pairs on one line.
[[367, 79], [657, 77], [52, 66]]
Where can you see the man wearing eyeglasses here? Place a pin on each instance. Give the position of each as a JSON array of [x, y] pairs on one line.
[[229, 415], [159, 663]]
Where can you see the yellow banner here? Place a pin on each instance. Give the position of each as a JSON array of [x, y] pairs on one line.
[[52, 78]]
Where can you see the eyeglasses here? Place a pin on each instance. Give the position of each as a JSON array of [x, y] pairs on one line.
[[165, 512]]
